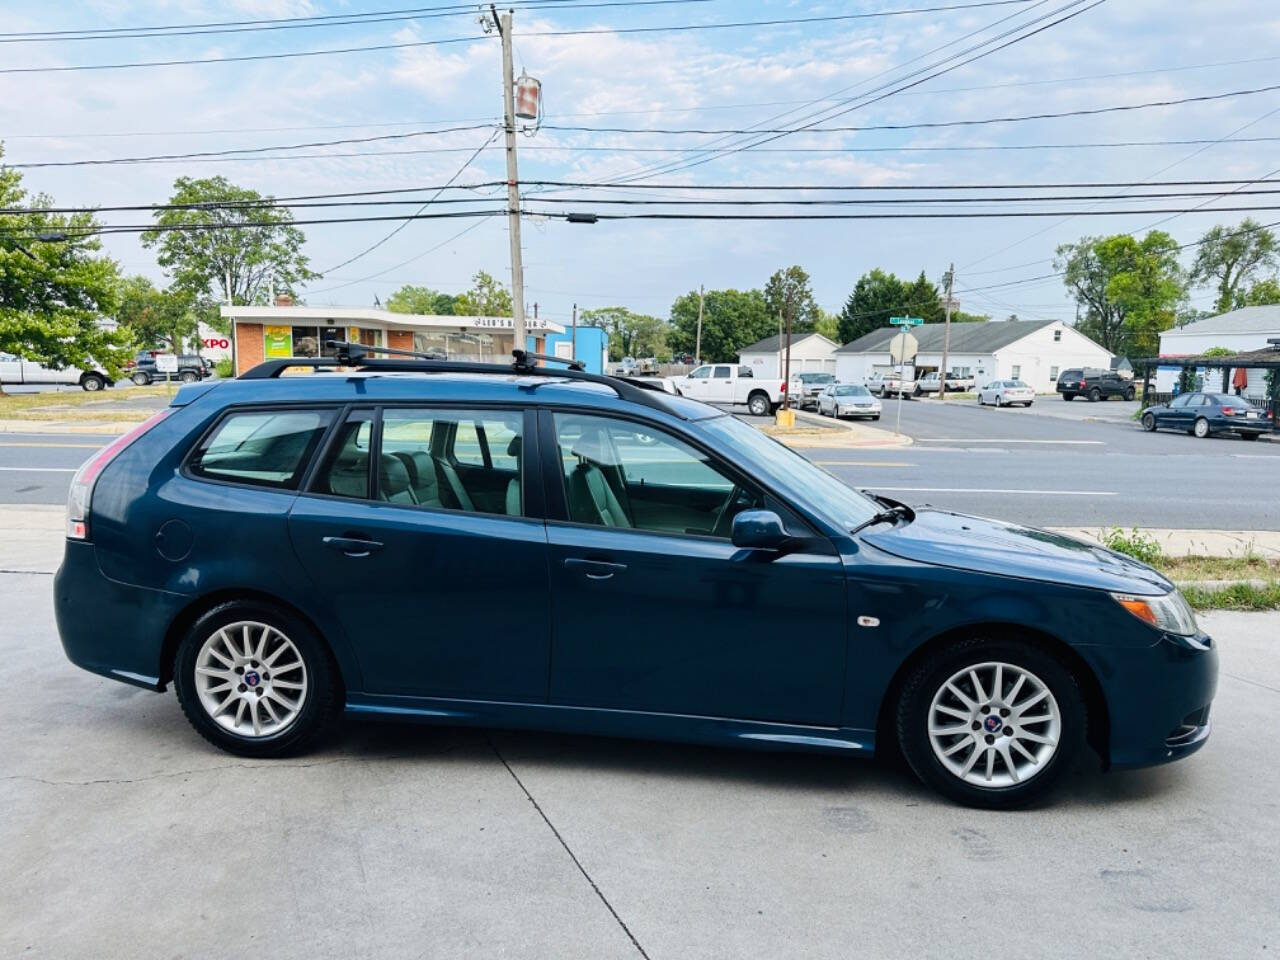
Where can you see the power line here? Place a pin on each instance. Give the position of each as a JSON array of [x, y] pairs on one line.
[[403, 263], [678, 28]]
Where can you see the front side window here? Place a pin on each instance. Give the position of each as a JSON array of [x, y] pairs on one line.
[[267, 448], [700, 374], [620, 474]]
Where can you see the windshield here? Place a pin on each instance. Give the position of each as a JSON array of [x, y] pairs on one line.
[[787, 470], [852, 391]]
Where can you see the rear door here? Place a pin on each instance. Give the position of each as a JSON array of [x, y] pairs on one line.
[[437, 575], [721, 384]]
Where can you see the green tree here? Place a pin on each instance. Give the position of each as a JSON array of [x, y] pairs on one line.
[[1230, 257], [828, 324], [486, 298], [157, 316], [876, 297], [209, 250], [423, 300], [789, 291], [959, 316], [1130, 289], [55, 287], [732, 319], [1262, 293], [630, 334], [923, 300]]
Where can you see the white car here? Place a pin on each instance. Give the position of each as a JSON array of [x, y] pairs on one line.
[[14, 371], [884, 384], [1006, 393], [848, 400], [733, 384]]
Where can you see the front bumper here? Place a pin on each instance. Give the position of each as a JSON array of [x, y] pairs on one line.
[[1158, 698]]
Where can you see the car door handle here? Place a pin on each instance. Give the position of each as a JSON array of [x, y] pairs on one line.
[[595, 569], [353, 546]]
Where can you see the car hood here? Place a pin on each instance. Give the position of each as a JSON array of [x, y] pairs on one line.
[[1007, 549]]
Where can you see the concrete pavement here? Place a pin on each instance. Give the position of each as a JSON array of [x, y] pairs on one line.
[[126, 836]]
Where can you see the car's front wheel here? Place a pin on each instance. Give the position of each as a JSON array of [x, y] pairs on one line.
[[1095, 395], [1149, 422], [991, 723], [256, 681], [92, 382]]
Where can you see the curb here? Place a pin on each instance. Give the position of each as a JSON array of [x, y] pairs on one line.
[[847, 434], [108, 427]]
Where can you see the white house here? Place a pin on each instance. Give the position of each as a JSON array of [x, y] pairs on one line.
[[1240, 331], [1034, 351], [809, 351]]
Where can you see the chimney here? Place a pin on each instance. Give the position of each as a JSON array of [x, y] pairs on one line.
[[284, 300]]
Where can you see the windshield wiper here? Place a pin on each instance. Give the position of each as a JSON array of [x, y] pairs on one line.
[[897, 510]]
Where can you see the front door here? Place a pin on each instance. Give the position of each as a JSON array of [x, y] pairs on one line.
[[1179, 414], [414, 530], [698, 384], [656, 610]]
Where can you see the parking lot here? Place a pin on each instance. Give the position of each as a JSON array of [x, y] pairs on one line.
[[127, 836]]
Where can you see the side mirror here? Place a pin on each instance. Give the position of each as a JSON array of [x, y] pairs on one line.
[[759, 530]]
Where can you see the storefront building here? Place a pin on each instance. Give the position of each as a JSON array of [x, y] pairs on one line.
[[281, 331]]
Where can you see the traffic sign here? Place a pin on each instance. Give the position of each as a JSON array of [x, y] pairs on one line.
[[906, 321], [903, 348], [166, 363]]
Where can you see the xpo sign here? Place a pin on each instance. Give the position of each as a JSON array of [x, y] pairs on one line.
[[214, 344]]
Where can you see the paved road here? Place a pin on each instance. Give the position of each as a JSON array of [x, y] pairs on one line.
[[126, 836], [1010, 463]]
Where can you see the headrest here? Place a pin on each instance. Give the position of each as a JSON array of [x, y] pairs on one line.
[[514, 447], [591, 445]]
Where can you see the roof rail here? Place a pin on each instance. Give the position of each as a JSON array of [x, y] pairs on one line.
[[523, 364]]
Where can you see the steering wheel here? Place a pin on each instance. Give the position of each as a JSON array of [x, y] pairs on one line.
[[722, 513]]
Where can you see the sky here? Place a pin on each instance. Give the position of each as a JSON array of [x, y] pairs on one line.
[[1118, 52]]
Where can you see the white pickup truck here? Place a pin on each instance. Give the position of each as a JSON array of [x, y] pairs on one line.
[[14, 371], [733, 384]]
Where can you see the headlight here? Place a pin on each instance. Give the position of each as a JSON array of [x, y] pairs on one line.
[[1169, 612]]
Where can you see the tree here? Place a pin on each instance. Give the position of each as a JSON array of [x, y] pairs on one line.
[[1263, 293], [876, 297], [789, 290], [923, 300], [959, 316], [54, 286], [157, 316], [828, 324], [732, 319], [486, 298], [630, 334], [210, 253], [1231, 257], [424, 300], [1130, 289]]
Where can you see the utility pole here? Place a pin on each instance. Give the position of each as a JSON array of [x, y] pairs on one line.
[[697, 344], [946, 335], [573, 339], [513, 182], [786, 375]]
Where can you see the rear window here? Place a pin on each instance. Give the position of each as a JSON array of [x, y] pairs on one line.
[[261, 447], [1070, 375]]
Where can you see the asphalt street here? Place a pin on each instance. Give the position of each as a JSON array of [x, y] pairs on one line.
[[1085, 466], [127, 836]]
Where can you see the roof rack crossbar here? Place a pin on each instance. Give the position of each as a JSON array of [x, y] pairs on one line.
[[523, 364]]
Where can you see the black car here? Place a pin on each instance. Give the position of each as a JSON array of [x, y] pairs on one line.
[[191, 368], [1204, 414], [1094, 384]]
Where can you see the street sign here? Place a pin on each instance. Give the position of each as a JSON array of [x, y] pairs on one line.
[[906, 321], [903, 348], [166, 363]]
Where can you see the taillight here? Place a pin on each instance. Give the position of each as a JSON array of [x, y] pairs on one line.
[[1228, 411], [784, 387], [80, 495], [1084, 383]]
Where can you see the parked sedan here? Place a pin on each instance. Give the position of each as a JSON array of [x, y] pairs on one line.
[[1204, 414], [848, 400], [1006, 393]]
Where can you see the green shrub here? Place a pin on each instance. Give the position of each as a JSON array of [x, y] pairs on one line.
[[223, 368], [1136, 544]]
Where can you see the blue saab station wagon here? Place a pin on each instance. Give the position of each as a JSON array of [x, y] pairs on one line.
[[495, 545]]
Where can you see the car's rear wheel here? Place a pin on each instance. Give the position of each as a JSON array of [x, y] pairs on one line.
[[991, 723], [1095, 395], [1149, 422], [188, 376], [141, 379], [758, 404], [1201, 428], [256, 681], [1130, 394], [1249, 436]]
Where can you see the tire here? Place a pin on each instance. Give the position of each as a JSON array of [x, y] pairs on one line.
[[141, 379], [999, 400], [1057, 715], [214, 641], [758, 404], [93, 382], [1068, 397], [876, 417], [1028, 404], [1149, 422], [1130, 394], [981, 402], [1201, 428], [188, 376], [1095, 395], [1248, 436]]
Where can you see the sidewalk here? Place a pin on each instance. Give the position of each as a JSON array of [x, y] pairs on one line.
[[1198, 543], [31, 537], [812, 430]]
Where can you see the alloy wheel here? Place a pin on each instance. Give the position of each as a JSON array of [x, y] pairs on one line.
[[1201, 428], [994, 725], [251, 679]]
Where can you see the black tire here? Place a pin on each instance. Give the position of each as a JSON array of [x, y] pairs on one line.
[[188, 376], [1095, 395], [758, 404], [1068, 396], [1149, 422], [912, 720], [93, 382], [140, 379], [322, 701], [1130, 394], [876, 417], [1201, 429]]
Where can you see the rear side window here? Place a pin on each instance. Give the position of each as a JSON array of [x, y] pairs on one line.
[[265, 448]]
